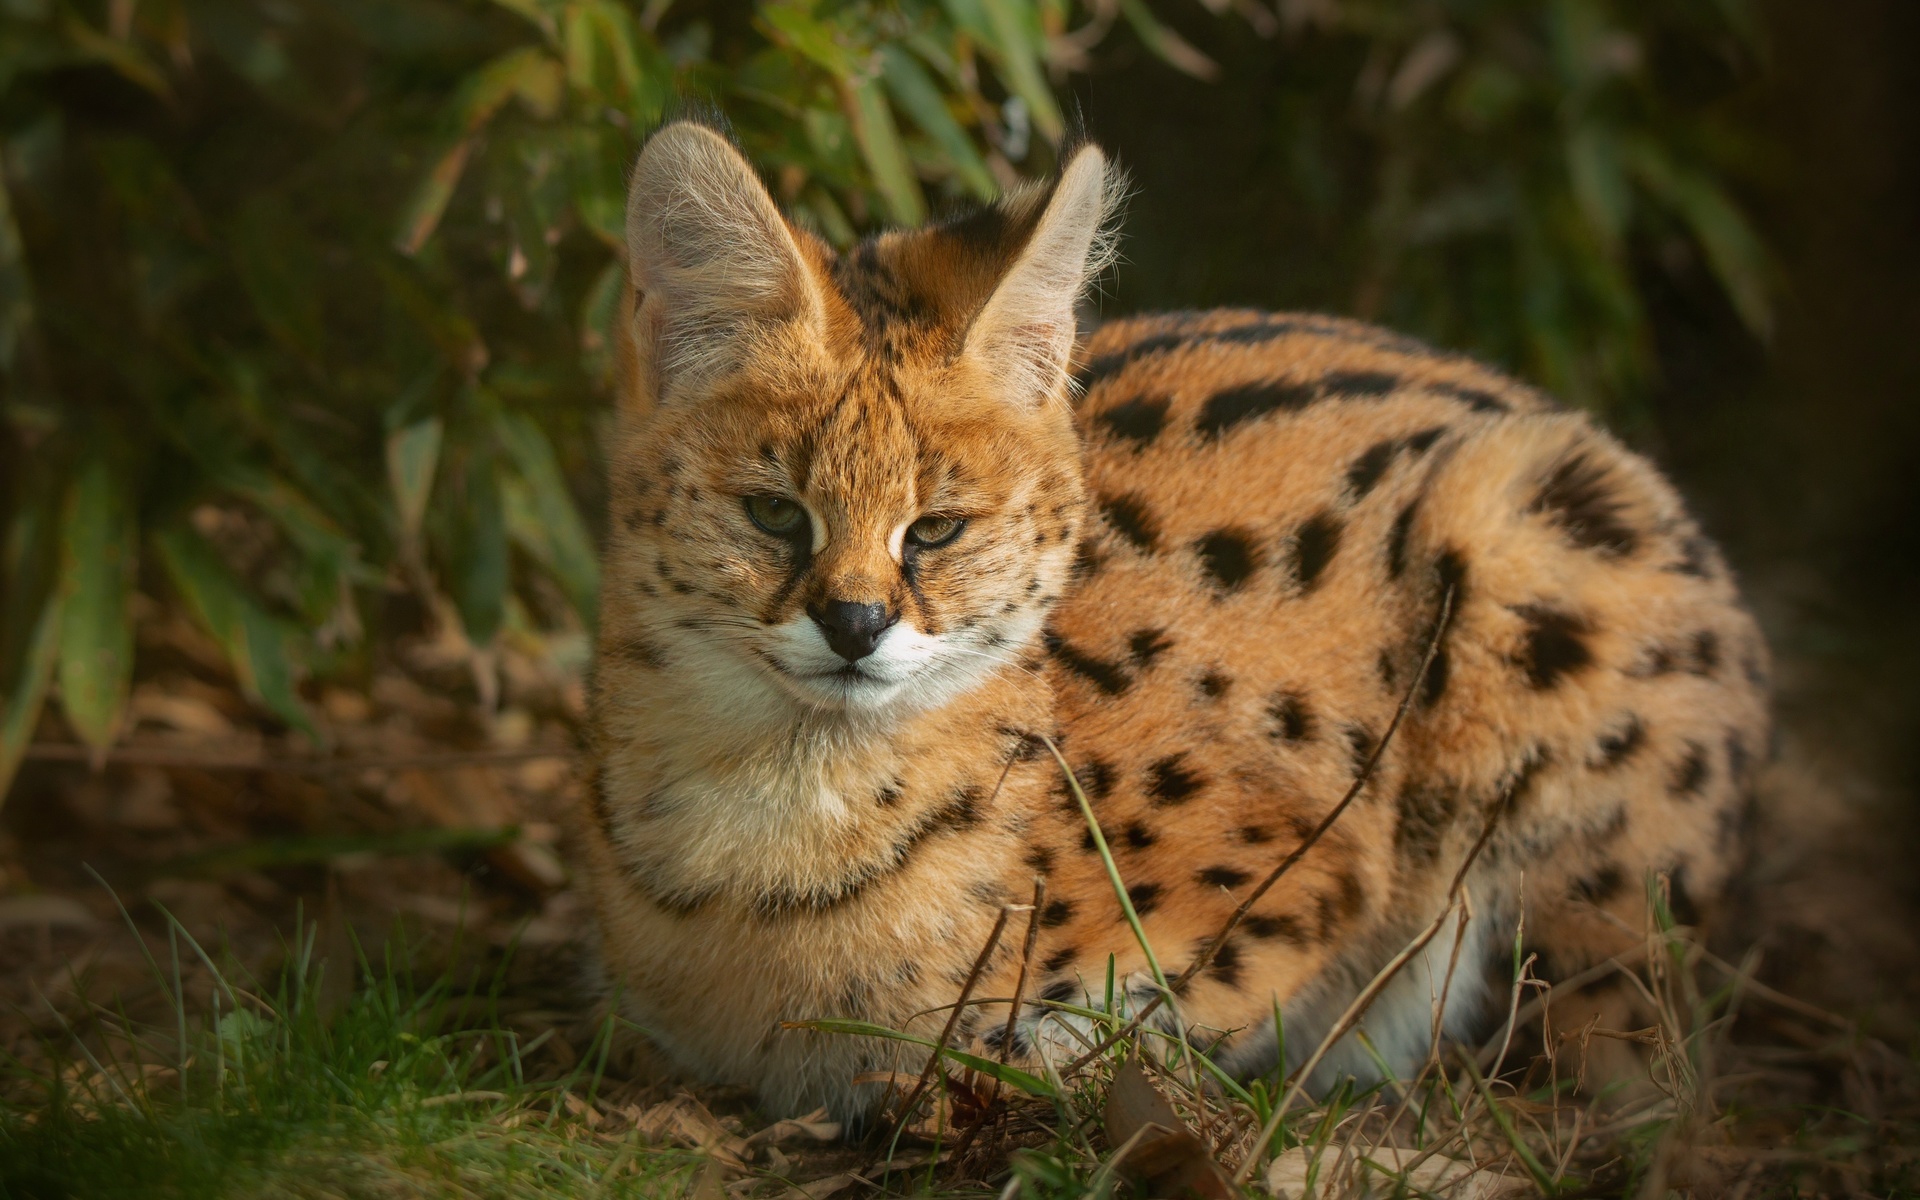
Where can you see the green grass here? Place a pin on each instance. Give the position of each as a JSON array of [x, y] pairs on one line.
[[390, 1089], [400, 1082]]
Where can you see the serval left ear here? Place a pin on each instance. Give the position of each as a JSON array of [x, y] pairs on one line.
[[714, 263], [1024, 334]]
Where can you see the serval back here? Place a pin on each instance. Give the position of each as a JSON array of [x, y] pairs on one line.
[[881, 529]]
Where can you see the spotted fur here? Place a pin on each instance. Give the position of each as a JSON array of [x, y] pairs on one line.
[[1205, 554]]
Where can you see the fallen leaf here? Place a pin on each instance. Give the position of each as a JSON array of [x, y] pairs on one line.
[[1369, 1170], [814, 1125], [1172, 1159]]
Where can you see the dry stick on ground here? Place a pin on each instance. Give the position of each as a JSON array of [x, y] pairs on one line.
[[1371, 992], [1020, 980], [1013, 1012], [1442, 620], [953, 1018]]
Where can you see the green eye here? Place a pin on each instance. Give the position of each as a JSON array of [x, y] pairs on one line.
[[934, 530], [776, 514]]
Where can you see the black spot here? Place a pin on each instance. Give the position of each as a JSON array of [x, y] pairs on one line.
[[1696, 558], [1369, 467], [1056, 913], [1292, 719], [1060, 959], [1601, 886], [1521, 783], [1087, 561], [1383, 666], [1706, 652], [1088, 845], [1110, 364], [1214, 685], [1138, 420], [1255, 835], [1145, 898], [1063, 991], [1139, 836], [1478, 399], [1284, 928], [1227, 556], [1434, 685], [1096, 778], [1690, 776], [1130, 519], [1225, 877], [889, 795], [1149, 644], [1226, 963], [962, 810], [1106, 676], [1170, 782], [1039, 859], [1397, 541], [1579, 497], [988, 892], [1554, 645], [1359, 383], [1226, 409], [1426, 811], [1658, 660], [1616, 748], [643, 653], [1313, 548], [1423, 441], [1360, 743], [1332, 909], [1020, 745]]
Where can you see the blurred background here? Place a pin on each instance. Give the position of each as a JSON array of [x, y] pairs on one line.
[[304, 308]]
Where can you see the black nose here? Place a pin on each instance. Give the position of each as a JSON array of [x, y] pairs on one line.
[[853, 630]]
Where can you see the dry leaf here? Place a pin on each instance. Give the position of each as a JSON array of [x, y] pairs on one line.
[[684, 1121], [1173, 1160], [1372, 1170], [814, 1125]]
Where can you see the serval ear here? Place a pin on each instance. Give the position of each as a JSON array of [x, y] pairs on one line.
[[1024, 334], [715, 265]]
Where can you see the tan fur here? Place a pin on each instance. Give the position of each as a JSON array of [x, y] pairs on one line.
[[1211, 579]]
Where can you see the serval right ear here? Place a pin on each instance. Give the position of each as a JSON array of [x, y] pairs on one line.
[[714, 264]]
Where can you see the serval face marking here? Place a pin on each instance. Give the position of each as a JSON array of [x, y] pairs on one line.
[[880, 526]]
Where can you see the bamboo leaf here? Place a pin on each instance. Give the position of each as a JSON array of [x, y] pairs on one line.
[[1165, 43], [26, 691], [255, 643], [1031, 1084], [541, 517], [1734, 252], [879, 140], [529, 74], [1018, 41], [96, 625], [477, 549], [412, 454], [16, 290], [919, 97]]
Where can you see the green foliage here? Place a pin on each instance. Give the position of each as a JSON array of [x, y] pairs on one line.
[[309, 303], [1508, 177]]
